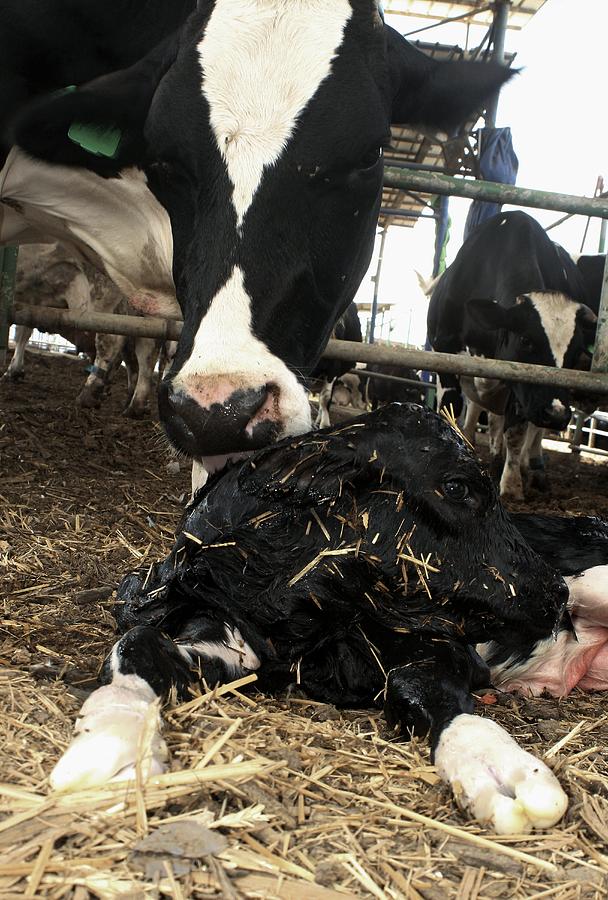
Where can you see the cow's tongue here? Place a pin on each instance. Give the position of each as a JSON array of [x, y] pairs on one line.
[[213, 464]]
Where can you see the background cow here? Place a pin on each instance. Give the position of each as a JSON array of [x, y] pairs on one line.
[[50, 275], [262, 136], [512, 294], [331, 379]]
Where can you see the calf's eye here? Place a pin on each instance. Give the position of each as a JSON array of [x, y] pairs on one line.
[[456, 489]]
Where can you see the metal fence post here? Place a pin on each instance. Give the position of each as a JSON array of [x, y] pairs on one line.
[[8, 267]]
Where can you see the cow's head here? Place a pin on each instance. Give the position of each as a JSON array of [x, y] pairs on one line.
[[260, 127], [543, 328]]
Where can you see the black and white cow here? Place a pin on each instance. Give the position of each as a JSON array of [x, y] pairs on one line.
[[360, 563], [331, 379], [50, 275], [512, 294], [259, 128]]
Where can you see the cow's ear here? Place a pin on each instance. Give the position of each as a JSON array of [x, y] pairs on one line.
[[487, 314], [437, 94], [100, 125]]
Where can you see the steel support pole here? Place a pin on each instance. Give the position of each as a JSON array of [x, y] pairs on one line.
[[372, 320], [600, 353], [432, 183], [499, 31], [8, 267], [380, 376], [350, 351], [459, 364]]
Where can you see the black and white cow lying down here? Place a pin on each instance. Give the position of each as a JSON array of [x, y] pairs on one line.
[[363, 564]]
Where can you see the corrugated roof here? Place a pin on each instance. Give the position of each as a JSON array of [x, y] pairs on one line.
[[480, 11], [408, 146]]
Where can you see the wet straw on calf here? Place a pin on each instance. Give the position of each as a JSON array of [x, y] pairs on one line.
[[361, 564]]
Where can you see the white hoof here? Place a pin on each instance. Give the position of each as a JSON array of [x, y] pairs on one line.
[[117, 725], [495, 780]]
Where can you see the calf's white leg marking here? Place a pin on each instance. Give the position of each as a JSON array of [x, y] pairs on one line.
[[233, 650], [109, 733], [495, 779]]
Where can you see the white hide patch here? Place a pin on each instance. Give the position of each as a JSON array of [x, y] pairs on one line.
[[225, 346], [262, 62], [495, 779], [234, 651], [117, 221], [109, 732], [558, 319]]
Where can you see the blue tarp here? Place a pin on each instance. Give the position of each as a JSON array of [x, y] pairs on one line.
[[497, 162]]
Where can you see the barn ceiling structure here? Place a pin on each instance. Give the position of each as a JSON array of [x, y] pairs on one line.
[[458, 154]]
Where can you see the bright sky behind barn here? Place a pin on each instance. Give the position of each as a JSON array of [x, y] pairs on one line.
[[556, 111]]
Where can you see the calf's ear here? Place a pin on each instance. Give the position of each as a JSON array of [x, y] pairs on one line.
[[99, 125], [487, 314], [437, 94]]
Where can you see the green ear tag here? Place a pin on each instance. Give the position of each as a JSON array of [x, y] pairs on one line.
[[591, 349], [95, 138]]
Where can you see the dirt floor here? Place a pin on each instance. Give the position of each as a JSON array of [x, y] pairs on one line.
[[266, 798]]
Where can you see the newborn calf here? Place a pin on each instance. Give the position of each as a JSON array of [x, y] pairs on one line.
[[362, 564]]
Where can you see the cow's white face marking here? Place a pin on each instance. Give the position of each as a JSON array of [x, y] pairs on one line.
[[558, 319], [224, 346], [262, 62]]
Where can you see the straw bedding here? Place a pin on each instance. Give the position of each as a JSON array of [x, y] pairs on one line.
[[266, 798]]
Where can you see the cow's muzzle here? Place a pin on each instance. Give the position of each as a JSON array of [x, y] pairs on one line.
[[242, 421]]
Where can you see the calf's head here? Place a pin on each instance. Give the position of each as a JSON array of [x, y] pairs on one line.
[[542, 328], [260, 127], [480, 572]]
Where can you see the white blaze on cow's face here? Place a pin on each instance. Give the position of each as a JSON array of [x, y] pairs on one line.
[[226, 358], [262, 62], [557, 314]]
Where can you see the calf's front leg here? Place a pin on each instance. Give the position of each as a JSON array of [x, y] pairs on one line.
[[490, 775], [120, 722]]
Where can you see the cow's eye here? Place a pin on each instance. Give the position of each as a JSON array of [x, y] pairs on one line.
[[525, 343], [372, 157], [456, 489]]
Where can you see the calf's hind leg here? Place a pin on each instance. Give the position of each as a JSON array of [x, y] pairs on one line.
[[489, 773], [120, 722]]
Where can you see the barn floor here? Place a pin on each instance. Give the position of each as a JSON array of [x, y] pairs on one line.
[[268, 798]]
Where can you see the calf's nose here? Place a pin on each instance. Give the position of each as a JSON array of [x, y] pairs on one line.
[[232, 424]]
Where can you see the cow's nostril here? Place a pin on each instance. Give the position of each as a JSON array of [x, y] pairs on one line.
[[241, 420]]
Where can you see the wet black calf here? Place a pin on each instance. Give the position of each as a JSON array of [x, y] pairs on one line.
[[361, 564]]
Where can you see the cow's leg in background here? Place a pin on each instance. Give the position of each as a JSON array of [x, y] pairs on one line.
[[490, 774], [16, 369], [511, 482], [537, 472], [323, 418], [108, 354], [119, 724], [449, 394], [471, 418], [496, 427], [146, 351]]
